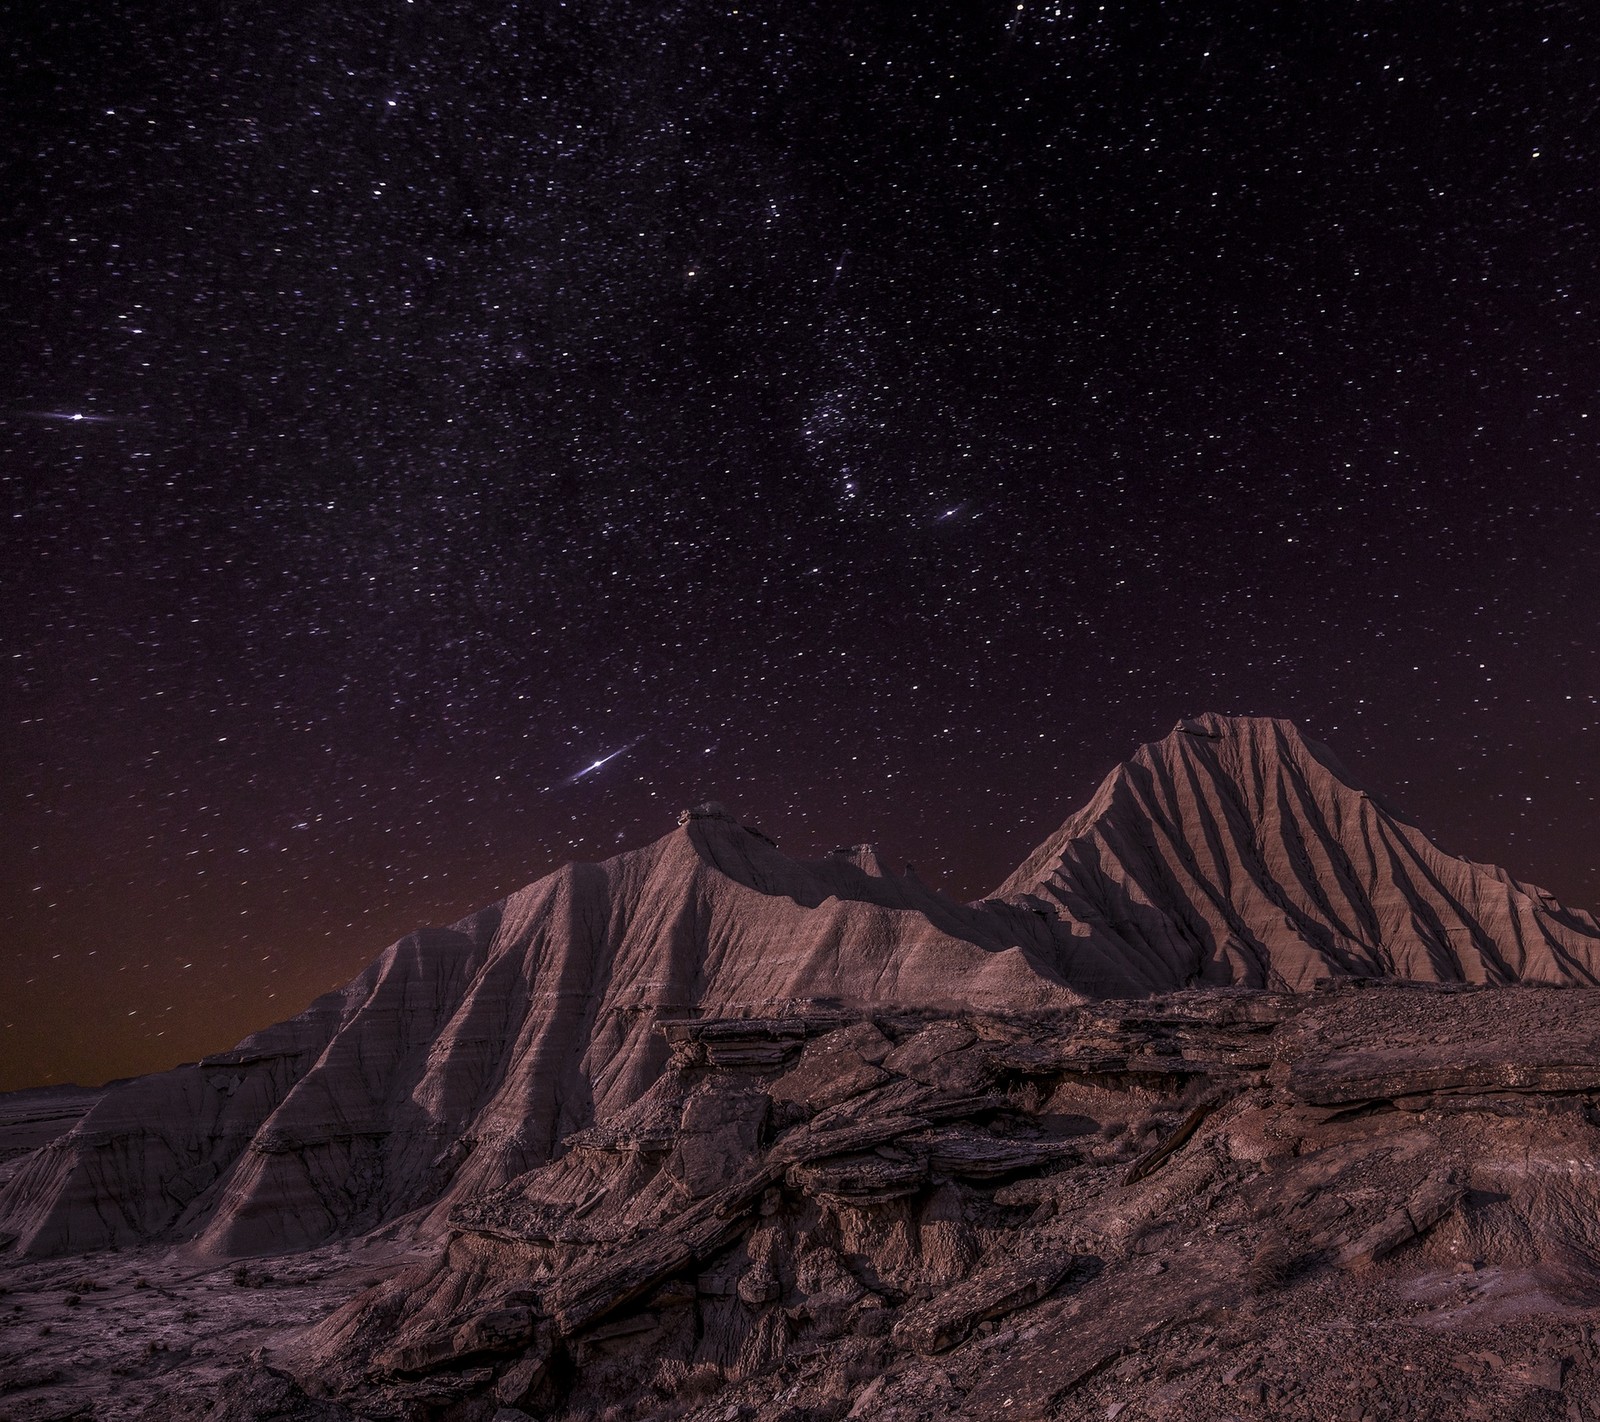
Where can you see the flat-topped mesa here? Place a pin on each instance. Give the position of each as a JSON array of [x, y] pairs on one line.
[[1237, 850]]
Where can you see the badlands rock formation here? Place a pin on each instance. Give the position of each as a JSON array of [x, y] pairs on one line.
[[1238, 1097], [1366, 1202], [462, 1055], [1232, 852], [1238, 851], [1371, 1201]]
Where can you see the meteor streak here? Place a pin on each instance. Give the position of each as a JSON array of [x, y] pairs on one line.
[[595, 765], [66, 417]]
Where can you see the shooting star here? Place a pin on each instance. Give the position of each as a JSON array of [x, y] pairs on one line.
[[75, 417], [595, 765]]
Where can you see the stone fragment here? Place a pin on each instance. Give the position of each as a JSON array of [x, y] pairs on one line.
[[860, 1178], [758, 1285], [423, 1355], [1153, 1159], [1544, 1373], [1054, 1058], [584, 1295], [869, 1399], [617, 1336], [978, 1155], [520, 1380], [944, 1321], [438, 1391], [835, 1068], [718, 1133], [1554, 1062], [1427, 1205], [264, 1394], [943, 1055], [500, 1330]]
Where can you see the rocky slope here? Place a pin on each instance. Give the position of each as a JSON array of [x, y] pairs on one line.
[[1369, 1201], [1238, 851], [1234, 851], [1375, 1202], [462, 1055]]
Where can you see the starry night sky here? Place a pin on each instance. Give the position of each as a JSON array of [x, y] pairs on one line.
[[881, 418]]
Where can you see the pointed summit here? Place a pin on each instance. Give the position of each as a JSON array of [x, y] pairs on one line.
[[1237, 850]]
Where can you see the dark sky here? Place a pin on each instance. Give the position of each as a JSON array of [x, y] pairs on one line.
[[882, 418]]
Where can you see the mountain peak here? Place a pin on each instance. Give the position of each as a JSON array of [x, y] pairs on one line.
[[714, 813], [1237, 850], [707, 810], [1215, 725], [1253, 736], [1254, 741]]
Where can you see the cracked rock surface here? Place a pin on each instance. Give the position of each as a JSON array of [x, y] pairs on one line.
[[1425, 1247]]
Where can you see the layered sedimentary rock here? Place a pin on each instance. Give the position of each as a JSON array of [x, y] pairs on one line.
[[1216, 1203], [1238, 851], [1232, 852], [1128, 1187], [462, 1055], [33, 1118]]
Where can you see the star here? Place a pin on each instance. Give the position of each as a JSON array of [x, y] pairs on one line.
[[1094, 383]]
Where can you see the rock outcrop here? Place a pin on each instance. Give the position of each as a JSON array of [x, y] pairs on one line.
[[462, 1055], [842, 1261], [1235, 1069], [1232, 852], [1215, 1203], [1238, 851]]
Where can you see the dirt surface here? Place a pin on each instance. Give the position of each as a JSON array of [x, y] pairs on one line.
[[152, 1332]]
